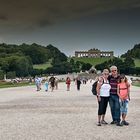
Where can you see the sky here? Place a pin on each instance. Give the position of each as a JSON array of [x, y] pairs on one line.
[[72, 25]]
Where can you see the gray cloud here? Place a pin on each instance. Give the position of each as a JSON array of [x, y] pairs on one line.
[[3, 18], [41, 13], [44, 23]]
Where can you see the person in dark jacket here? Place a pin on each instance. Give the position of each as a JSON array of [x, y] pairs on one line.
[[78, 82]]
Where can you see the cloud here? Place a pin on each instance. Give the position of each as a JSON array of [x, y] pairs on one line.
[[44, 23], [42, 13], [3, 18]]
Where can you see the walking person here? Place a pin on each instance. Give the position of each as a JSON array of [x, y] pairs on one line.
[[56, 82], [78, 83], [52, 83], [103, 93], [46, 85], [114, 98], [123, 92], [40, 82], [68, 82], [37, 83]]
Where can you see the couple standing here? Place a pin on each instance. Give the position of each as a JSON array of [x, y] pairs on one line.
[[114, 89]]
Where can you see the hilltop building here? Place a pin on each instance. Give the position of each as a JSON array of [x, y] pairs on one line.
[[95, 53]]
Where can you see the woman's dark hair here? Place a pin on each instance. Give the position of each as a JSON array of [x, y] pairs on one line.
[[122, 76]]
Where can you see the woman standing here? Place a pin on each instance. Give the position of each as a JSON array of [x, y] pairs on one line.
[[103, 93], [123, 91]]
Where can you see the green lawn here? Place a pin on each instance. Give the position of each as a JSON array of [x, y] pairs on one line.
[[92, 61], [42, 66], [136, 84], [137, 62], [9, 84], [95, 61]]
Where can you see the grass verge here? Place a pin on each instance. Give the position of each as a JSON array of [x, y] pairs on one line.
[[9, 84]]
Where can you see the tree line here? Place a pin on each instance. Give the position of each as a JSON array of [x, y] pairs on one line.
[[18, 60], [125, 63]]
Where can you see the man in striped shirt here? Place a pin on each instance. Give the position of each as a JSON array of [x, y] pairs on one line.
[[114, 98]]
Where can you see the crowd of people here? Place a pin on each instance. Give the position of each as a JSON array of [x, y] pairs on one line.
[[112, 88], [52, 82]]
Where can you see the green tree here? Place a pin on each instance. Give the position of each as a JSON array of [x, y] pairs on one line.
[[134, 52], [1, 75], [11, 74], [56, 55], [86, 66], [37, 53], [129, 62]]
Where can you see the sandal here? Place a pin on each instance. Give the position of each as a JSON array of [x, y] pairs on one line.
[[99, 124], [104, 122]]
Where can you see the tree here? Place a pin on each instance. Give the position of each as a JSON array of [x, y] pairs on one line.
[[56, 55], [38, 54], [134, 52], [1, 75], [61, 68], [86, 66], [129, 62]]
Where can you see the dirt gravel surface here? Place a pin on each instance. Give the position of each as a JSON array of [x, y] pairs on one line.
[[26, 114]]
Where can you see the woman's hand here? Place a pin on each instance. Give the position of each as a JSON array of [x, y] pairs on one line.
[[99, 98]]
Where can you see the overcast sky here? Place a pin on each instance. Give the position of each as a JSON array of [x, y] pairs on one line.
[[72, 25]]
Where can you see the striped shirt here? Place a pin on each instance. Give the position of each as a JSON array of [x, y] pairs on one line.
[[113, 82]]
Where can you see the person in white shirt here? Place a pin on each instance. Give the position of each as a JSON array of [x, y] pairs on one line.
[[103, 93]]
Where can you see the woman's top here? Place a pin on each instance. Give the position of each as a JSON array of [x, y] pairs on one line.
[[123, 90], [105, 88], [68, 81]]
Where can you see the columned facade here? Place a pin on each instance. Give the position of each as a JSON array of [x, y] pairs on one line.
[[95, 53]]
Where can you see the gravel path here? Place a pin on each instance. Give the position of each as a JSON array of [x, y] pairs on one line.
[[26, 114]]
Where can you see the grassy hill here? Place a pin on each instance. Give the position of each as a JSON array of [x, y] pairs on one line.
[[137, 62], [95, 61], [92, 61], [42, 66]]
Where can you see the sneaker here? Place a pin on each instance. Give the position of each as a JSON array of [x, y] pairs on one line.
[[119, 124], [99, 124], [125, 123], [103, 122], [113, 122], [122, 123]]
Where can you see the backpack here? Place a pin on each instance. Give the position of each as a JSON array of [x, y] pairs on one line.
[[94, 91]]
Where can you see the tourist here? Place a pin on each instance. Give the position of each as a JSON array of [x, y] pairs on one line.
[[52, 82], [78, 83], [46, 85], [114, 98], [37, 83], [103, 93], [56, 82], [123, 92], [68, 82], [40, 82]]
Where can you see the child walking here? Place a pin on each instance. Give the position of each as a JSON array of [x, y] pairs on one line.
[[46, 85], [123, 91]]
